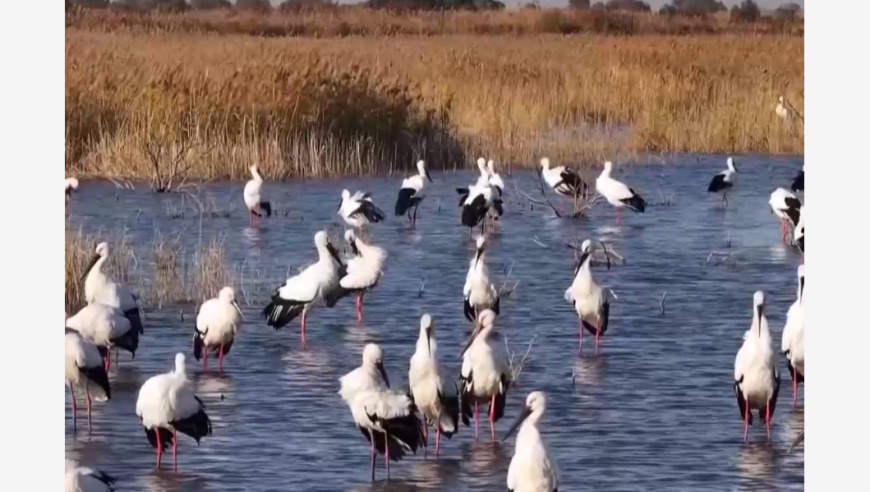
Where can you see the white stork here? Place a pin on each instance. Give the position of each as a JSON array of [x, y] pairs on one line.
[[217, 323], [486, 374], [105, 326], [793, 338], [724, 182], [83, 479], [564, 181], [412, 193], [532, 468], [756, 381], [254, 196], [787, 208], [71, 184], [617, 193], [83, 368], [588, 298], [167, 405], [300, 292], [362, 273], [436, 398], [100, 288], [357, 210], [479, 293]]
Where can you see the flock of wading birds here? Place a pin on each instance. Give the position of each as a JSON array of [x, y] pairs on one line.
[[396, 423]]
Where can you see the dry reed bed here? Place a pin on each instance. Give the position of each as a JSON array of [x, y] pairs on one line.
[[164, 274], [359, 21], [305, 107]]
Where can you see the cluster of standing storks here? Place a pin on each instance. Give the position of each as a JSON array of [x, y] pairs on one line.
[[396, 423]]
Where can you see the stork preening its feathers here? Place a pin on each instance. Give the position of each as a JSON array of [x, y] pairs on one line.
[[564, 181], [362, 272], [358, 209]]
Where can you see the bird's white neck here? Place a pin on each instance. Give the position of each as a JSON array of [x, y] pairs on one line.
[[256, 174], [427, 348]]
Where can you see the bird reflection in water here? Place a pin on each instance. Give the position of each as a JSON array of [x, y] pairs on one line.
[[589, 371], [755, 463], [166, 481]]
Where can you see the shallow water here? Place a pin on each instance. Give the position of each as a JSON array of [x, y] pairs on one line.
[[655, 410]]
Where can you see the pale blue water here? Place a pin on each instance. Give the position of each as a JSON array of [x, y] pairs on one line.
[[655, 411]]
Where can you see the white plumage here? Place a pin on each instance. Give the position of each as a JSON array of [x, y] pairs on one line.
[[363, 271], [756, 381], [617, 193], [254, 196], [588, 298], [799, 232], [532, 467], [787, 208], [793, 338], [412, 193], [83, 367], [437, 399], [780, 109], [167, 405], [494, 179], [724, 182], [358, 209], [485, 375], [388, 420], [105, 326], [99, 288], [82, 479], [299, 293], [71, 184], [479, 293], [563, 180], [217, 323]]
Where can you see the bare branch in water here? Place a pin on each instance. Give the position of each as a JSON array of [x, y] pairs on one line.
[[538, 242], [517, 366], [544, 195], [720, 254], [662, 302], [422, 287]]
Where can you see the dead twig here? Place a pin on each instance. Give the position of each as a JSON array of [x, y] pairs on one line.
[[422, 287], [517, 367], [538, 242], [662, 303]]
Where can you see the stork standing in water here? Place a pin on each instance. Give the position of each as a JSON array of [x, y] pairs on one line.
[[617, 193], [83, 367], [100, 288], [479, 199], [756, 381], [254, 197], [437, 401], [588, 298], [217, 323], [357, 210], [363, 271], [167, 406], [479, 292], [72, 184], [412, 193], [564, 181], [105, 326], [793, 338], [82, 479], [482, 180], [300, 292], [787, 208], [388, 420], [494, 179], [486, 374], [724, 182], [532, 468]]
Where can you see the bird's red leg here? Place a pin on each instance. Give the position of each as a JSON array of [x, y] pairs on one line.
[[303, 329], [175, 450], [221, 360], [108, 361], [374, 454], [492, 419], [767, 419], [425, 439], [476, 422], [359, 301], [597, 340], [88, 395], [437, 441], [72, 400], [746, 421], [159, 446]]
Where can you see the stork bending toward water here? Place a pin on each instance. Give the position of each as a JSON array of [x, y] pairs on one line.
[[167, 405], [436, 398], [787, 208], [83, 367], [300, 292], [756, 380]]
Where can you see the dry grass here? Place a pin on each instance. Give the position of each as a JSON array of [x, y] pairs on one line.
[[170, 275], [208, 106]]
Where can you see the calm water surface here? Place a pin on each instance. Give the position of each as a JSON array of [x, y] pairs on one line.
[[654, 411]]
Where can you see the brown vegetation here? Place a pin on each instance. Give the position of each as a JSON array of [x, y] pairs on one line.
[[151, 95]]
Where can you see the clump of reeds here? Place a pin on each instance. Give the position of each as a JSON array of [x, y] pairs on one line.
[[79, 248], [210, 270], [169, 282]]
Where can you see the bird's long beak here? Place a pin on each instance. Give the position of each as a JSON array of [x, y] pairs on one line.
[[333, 252], [380, 366], [801, 293], [759, 310], [477, 256], [522, 417], [428, 338], [428, 177], [474, 334], [353, 247], [91, 264], [239, 309]]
